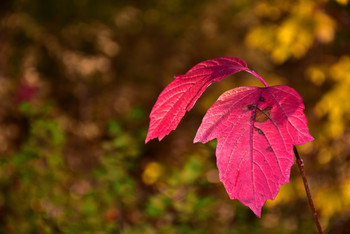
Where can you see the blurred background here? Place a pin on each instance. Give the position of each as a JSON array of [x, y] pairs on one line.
[[78, 80]]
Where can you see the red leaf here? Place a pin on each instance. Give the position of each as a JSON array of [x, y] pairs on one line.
[[182, 93], [256, 129]]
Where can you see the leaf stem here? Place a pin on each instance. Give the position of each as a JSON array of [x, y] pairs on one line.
[[257, 76], [307, 189]]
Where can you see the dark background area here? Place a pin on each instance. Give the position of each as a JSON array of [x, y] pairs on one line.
[[78, 80]]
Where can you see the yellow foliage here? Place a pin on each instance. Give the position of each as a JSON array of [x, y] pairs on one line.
[[294, 36], [336, 103], [286, 33], [341, 70], [262, 37], [316, 74], [324, 156], [152, 172], [334, 200], [263, 9], [325, 27], [342, 2]]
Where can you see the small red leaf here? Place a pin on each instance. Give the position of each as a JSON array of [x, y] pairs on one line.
[[256, 129], [182, 93]]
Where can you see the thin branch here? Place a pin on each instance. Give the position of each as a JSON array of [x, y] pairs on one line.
[[307, 189]]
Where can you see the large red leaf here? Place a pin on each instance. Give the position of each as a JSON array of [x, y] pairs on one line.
[[256, 129], [182, 93]]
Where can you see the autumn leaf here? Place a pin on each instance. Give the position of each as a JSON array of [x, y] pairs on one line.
[[256, 128], [182, 93]]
